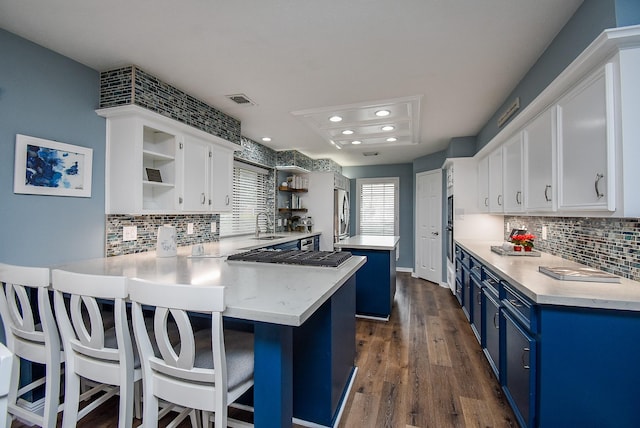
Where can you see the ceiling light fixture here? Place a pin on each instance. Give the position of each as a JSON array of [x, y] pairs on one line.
[[347, 132], [335, 119], [391, 139], [383, 113], [356, 142], [388, 128], [266, 139]]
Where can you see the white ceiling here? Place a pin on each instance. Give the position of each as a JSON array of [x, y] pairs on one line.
[[459, 58]]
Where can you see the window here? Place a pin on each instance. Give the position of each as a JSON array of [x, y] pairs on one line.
[[377, 206], [249, 198]]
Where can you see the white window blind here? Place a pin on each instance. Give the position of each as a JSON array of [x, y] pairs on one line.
[[377, 206], [249, 198]]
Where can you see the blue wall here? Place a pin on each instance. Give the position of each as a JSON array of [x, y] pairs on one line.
[[46, 95], [405, 174]]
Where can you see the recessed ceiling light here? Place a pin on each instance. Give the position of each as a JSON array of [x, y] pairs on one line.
[[335, 119], [383, 113], [391, 139], [266, 139], [347, 132], [356, 142], [388, 128]]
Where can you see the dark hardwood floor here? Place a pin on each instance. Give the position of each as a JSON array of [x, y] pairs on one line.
[[423, 368]]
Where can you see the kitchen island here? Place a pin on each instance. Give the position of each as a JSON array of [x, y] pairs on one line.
[[302, 317], [376, 281], [565, 352]]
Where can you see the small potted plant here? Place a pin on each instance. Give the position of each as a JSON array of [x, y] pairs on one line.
[[523, 241]]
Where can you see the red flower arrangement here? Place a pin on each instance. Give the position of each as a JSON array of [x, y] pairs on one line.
[[525, 240]]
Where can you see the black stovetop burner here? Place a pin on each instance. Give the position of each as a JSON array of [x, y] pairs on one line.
[[294, 257]]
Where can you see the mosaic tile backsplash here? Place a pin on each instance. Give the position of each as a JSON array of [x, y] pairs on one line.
[[611, 245], [148, 230], [131, 85]]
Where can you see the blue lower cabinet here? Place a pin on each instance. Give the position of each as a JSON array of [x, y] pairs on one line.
[[519, 375], [491, 329], [467, 299], [476, 307], [375, 282]]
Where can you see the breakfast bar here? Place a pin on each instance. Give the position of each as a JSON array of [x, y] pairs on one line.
[[302, 316]]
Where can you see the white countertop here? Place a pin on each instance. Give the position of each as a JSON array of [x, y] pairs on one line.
[[368, 242], [522, 273], [273, 293]]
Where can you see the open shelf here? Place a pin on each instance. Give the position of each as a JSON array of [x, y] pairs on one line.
[[283, 210], [289, 189]]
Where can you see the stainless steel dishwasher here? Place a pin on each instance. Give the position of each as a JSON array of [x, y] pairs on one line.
[[306, 244]]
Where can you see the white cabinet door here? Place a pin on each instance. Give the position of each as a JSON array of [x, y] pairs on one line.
[[496, 198], [195, 167], [483, 184], [540, 163], [221, 179], [512, 185], [586, 145]]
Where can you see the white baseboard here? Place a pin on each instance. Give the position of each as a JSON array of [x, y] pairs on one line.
[[404, 269]]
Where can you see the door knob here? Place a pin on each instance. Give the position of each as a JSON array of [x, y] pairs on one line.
[[435, 233]]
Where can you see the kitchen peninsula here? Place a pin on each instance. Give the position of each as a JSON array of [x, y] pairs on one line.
[[303, 319], [376, 281]]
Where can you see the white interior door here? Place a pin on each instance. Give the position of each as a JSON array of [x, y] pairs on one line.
[[428, 263]]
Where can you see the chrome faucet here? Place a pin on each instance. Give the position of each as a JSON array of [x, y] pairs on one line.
[[258, 225]]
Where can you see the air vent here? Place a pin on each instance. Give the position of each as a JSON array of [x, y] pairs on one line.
[[241, 99], [370, 154]]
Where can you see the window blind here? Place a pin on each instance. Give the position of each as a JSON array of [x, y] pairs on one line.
[[377, 206], [249, 198]]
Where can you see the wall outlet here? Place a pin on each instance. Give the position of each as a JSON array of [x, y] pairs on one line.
[[129, 233], [279, 222], [544, 233], [508, 227], [189, 228], [214, 227]]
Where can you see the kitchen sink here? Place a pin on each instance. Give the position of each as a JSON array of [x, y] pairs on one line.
[[267, 237]]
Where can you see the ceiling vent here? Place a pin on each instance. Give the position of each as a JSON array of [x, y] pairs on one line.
[[241, 99], [370, 154]]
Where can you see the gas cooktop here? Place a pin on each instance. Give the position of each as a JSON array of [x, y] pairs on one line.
[[293, 257]]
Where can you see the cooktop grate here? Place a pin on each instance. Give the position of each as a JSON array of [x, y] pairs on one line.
[[294, 257]]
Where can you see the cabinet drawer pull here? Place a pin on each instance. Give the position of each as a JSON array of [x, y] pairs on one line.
[[486, 202], [525, 366], [497, 326], [598, 178], [519, 197], [546, 193], [515, 303], [499, 200]]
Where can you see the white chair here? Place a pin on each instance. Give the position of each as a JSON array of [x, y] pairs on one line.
[[94, 352], [31, 335], [204, 371], [6, 362]]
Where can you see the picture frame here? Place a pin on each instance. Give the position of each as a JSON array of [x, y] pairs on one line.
[[45, 167]]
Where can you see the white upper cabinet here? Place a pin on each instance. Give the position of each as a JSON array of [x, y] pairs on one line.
[[586, 144], [156, 165], [496, 197], [221, 179], [540, 163], [513, 170], [483, 184]]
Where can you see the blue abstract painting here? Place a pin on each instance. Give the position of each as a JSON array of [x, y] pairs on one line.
[[44, 167], [53, 168]]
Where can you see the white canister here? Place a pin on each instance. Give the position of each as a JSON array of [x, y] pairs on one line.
[[166, 245]]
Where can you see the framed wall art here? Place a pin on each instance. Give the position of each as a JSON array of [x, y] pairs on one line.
[[44, 167]]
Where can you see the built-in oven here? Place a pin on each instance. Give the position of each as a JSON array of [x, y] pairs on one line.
[[450, 228]]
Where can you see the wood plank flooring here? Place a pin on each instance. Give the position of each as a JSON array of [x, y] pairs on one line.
[[423, 368]]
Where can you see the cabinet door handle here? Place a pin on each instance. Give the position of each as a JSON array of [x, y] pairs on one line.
[[203, 198], [499, 200], [519, 197], [599, 177], [479, 299], [494, 321], [546, 193], [525, 366], [226, 201], [486, 202], [515, 303]]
